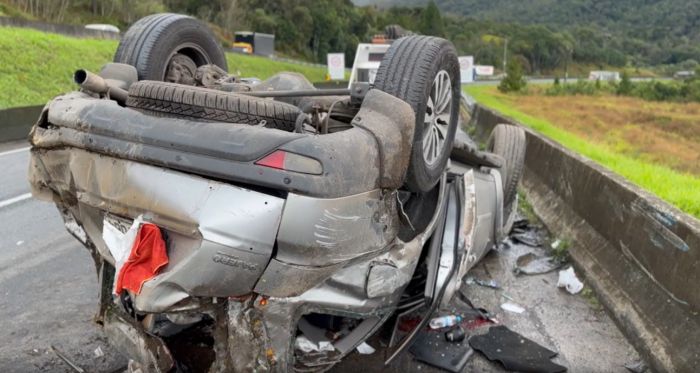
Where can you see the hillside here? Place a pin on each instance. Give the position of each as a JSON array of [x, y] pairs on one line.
[[546, 37], [653, 144], [651, 31], [35, 66]]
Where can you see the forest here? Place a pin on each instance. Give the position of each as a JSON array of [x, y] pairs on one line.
[[546, 36]]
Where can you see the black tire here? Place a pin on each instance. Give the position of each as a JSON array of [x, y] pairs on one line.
[[509, 142], [183, 101], [407, 71], [151, 43]]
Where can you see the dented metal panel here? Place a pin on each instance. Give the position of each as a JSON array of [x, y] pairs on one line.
[[321, 232], [224, 234]]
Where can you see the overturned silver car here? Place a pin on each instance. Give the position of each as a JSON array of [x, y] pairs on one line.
[[279, 211]]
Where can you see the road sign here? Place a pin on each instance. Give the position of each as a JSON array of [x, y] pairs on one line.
[[483, 70], [466, 68], [336, 66]]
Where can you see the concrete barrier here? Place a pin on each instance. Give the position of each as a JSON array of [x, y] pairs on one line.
[[69, 30], [640, 254], [16, 122]]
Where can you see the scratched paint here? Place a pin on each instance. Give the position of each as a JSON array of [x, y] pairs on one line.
[[657, 224]]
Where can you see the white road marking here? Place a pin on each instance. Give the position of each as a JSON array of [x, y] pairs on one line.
[[36, 258], [13, 151], [12, 200]]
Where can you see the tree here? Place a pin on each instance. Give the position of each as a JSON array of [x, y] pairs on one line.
[[431, 21], [625, 87], [514, 81]]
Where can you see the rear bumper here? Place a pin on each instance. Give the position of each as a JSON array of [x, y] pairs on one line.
[[220, 237], [373, 154]]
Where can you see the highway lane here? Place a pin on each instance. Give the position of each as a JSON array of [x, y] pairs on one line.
[[48, 291], [13, 158]]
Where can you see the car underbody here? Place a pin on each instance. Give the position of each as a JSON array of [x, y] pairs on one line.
[[271, 234]]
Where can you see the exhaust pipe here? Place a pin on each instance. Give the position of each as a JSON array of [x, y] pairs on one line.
[[96, 84]]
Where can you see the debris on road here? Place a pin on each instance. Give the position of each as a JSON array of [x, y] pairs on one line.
[[486, 283], [475, 317], [456, 334], [512, 307], [569, 281], [445, 321], [529, 238], [98, 352], [636, 367], [65, 359], [531, 264], [305, 345], [365, 349], [431, 348], [520, 226], [514, 351]]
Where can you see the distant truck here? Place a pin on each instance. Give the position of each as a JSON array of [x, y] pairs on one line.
[[608, 76], [254, 43], [369, 55], [684, 75], [367, 60]]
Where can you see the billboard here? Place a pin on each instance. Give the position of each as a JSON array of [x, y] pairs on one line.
[[466, 68], [483, 70], [336, 66]]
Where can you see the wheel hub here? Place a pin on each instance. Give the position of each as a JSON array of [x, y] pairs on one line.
[[438, 113], [181, 69]]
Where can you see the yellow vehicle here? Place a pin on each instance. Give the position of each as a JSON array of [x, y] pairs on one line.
[[254, 43], [243, 48]]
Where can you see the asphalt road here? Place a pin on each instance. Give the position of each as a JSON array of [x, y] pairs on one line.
[[48, 284], [48, 295]]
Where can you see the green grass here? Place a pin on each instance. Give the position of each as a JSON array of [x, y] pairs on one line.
[[679, 189], [261, 67], [36, 66]]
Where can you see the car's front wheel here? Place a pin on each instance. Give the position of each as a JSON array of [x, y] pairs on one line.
[[424, 72]]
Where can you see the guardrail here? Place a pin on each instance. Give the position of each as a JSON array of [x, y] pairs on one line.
[[16, 122], [640, 254], [69, 30]]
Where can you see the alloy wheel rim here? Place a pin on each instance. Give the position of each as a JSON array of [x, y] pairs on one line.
[[438, 113]]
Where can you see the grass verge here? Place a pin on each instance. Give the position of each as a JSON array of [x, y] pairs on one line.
[[36, 66], [677, 188]]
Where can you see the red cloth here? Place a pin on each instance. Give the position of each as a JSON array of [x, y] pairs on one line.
[[147, 257]]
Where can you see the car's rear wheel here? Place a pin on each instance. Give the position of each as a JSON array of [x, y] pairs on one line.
[[509, 142], [169, 47], [424, 72]]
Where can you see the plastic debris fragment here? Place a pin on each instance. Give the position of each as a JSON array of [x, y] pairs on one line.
[[445, 321], [486, 283], [569, 281], [305, 345], [365, 349], [531, 264], [512, 307]]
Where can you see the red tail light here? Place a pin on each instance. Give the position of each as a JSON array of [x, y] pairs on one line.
[[273, 160], [282, 160]]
